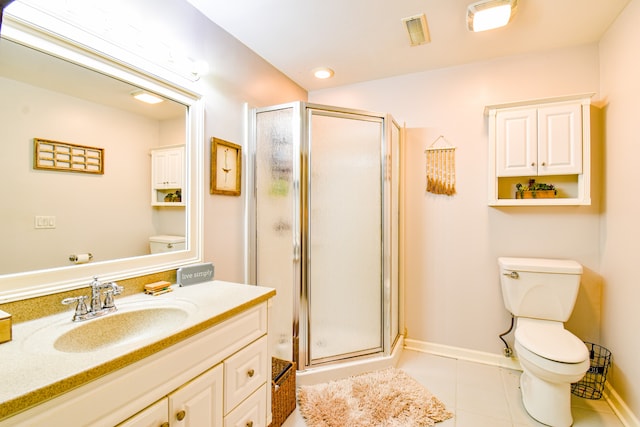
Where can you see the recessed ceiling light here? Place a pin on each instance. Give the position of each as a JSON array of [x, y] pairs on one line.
[[489, 14], [323, 73], [143, 96]]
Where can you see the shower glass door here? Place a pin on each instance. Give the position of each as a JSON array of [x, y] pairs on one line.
[[277, 216], [342, 223]]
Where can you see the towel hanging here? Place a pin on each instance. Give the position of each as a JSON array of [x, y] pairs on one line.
[[441, 167]]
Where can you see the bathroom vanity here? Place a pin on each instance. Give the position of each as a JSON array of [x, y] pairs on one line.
[[202, 360]]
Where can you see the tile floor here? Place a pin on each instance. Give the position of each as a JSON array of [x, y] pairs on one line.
[[483, 396]]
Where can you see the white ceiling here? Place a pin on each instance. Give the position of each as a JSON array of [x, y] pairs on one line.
[[365, 39]]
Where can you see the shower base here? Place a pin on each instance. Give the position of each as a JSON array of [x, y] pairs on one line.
[[344, 369]]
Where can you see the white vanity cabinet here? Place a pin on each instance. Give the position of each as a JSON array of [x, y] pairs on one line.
[[200, 402], [217, 377], [156, 415], [167, 175], [545, 140], [196, 404]]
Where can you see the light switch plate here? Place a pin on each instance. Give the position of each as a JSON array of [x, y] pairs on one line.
[[44, 221]]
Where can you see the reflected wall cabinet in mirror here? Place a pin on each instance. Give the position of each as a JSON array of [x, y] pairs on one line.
[[540, 152], [167, 176], [57, 86]]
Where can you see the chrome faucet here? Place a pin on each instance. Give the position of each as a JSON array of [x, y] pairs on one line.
[[96, 307]]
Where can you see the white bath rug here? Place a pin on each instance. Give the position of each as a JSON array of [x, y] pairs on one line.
[[388, 398]]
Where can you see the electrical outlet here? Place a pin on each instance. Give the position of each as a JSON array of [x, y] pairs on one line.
[[42, 221]]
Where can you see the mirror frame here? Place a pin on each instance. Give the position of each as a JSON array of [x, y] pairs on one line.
[[52, 36]]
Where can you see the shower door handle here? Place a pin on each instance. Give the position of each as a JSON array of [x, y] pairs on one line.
[[296, 252]]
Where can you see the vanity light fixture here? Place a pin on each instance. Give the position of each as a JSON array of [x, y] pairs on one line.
[[489, 14], [147, 97], [323, 73]]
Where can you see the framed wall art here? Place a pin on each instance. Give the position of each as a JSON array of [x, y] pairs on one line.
[[226, 167], [67, 157]]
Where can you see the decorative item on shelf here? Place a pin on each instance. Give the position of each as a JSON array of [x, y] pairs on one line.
[[535, 191], [173, 197], [441, 168], [226, 167]]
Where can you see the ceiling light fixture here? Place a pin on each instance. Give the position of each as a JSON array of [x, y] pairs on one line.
[[417, 29], [323, 73], [489, 14], [143, 96]]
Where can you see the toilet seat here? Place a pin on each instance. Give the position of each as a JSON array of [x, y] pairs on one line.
[[549, 340]]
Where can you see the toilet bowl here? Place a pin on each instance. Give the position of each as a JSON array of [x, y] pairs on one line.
[[541, 293], [551, 358]]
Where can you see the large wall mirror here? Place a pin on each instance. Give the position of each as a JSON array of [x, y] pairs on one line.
[[60, 91]]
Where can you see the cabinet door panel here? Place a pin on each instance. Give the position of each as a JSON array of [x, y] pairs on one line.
[[252, 412], [155, 415], [199, 402], [516, 143], [244, 372], [560, 140]]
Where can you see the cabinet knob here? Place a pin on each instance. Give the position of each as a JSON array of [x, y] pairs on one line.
[[250, 424], [164, 425], [251, 373], [544, 164], [180, 415], [533, 163]]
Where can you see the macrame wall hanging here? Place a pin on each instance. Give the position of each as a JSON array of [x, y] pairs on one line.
[[441, 167]]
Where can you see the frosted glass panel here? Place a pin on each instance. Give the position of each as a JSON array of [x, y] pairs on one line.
[[345, 249], [275, 219]]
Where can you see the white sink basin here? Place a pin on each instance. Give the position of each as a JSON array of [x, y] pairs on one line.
[[131, 324], [119, 328]]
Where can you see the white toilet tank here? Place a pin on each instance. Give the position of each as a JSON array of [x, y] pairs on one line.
[[166, 243], [540, 288]]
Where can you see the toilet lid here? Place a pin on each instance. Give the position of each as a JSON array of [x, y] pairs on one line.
[[552, 342]]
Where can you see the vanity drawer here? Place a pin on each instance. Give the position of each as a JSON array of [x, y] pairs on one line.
[[250, 413], [244, 372]]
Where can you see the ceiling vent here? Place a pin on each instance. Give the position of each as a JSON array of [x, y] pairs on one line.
[[417, 29]]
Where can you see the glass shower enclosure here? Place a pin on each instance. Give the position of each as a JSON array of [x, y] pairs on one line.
[[324, 230]]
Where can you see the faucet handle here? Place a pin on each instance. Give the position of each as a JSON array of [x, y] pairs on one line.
[[81, 308], [112, 289], [117, 289]]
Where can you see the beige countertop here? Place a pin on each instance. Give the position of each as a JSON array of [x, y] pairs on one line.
[[33, 371]]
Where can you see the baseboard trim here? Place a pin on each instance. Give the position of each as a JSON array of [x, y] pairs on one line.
[[618, 406], [463, 354]]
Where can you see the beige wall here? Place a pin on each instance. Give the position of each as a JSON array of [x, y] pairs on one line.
[[452, 243], [237, 76], [86, 206], [452, 286], [620, 245]]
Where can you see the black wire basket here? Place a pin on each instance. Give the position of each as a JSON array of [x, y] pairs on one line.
[[592, 385]]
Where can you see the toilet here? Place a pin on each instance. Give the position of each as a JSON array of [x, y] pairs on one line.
[[541, 293], [166, 243]]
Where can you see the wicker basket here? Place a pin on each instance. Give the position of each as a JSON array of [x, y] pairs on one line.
[[591, 386], [283, 390]]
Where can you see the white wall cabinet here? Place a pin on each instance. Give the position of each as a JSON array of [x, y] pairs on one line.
[[547, 141], [167, 176]]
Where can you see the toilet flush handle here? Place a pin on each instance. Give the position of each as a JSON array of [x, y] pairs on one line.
[[513, 275]]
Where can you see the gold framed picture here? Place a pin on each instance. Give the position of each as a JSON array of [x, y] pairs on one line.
[[226, 167]]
